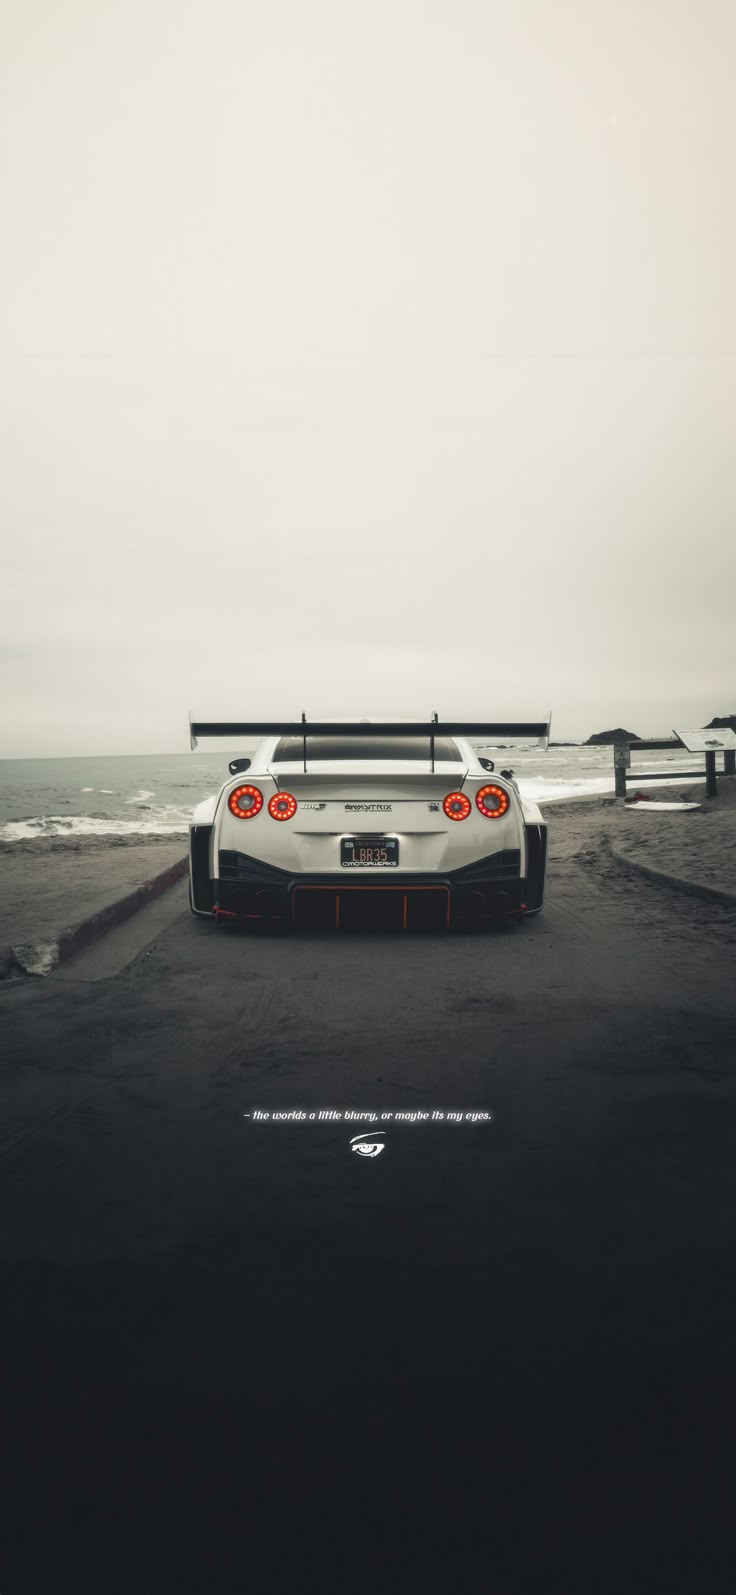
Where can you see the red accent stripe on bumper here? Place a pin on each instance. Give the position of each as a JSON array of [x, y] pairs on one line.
[[398, 891]]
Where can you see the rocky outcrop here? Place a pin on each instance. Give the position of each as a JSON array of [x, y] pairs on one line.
[[722, 722], [619, 735]]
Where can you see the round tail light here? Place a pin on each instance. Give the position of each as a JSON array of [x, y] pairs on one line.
[[492, 801], [282, 806], [245, 802], [457, 806]]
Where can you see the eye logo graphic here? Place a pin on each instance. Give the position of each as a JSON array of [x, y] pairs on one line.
[[369, 1144]]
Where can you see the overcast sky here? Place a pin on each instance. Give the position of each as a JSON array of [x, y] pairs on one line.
[[365, 359]]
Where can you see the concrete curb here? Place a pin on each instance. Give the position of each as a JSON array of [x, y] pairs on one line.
[[39, 958], [678, 883]]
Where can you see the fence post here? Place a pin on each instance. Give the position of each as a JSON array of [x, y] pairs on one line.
[[710, 775], [621, 762]]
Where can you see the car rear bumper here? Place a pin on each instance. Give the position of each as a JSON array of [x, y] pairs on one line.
[[487, 890]]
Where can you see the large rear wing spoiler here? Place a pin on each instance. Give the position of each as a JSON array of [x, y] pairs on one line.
[[489, 733]]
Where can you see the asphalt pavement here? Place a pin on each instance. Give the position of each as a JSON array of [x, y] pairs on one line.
[[508, 1341]]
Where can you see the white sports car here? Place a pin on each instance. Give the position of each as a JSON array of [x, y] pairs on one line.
[[358, 822]]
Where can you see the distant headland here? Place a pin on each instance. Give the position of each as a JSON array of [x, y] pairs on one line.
[[601, 738], [619, 735]]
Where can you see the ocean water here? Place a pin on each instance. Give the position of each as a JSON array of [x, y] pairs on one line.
[[154, 794]]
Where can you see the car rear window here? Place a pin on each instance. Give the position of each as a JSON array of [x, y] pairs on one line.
[[290, 749]]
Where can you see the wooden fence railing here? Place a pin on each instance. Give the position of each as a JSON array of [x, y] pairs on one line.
[[622, 764]]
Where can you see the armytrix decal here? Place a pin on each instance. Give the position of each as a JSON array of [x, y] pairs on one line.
[[368, 808]]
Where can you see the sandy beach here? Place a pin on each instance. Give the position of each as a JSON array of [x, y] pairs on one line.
[[53, 884], [697, 845]]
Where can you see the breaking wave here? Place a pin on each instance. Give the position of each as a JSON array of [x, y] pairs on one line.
[[170, 821], [546, 789], [542, 789]]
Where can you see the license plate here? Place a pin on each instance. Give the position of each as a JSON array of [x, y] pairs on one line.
[[369, 852]]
